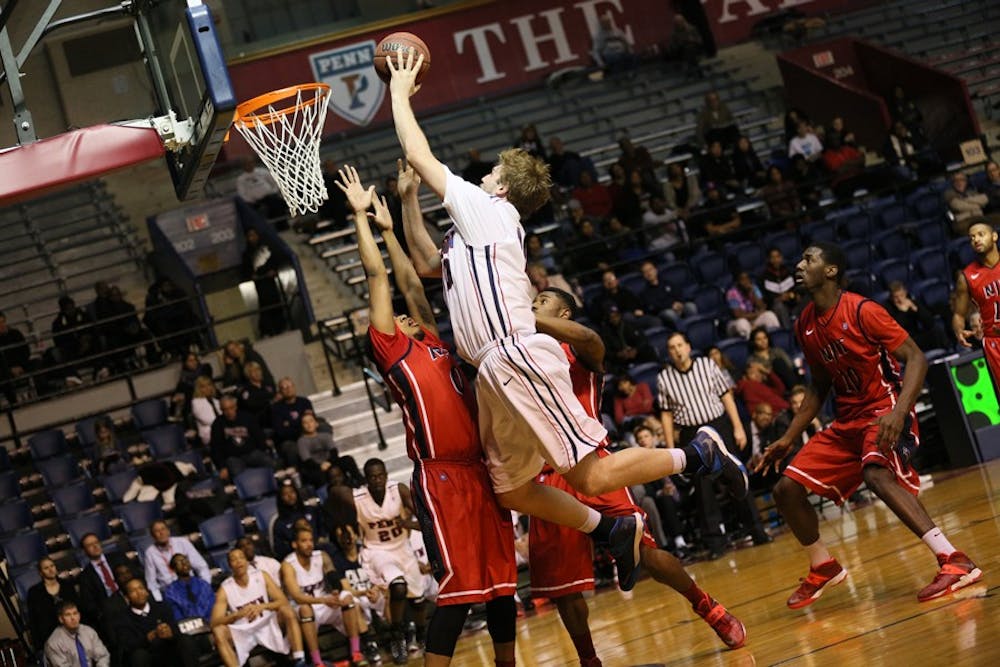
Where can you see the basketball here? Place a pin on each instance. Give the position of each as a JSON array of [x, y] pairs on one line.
[[391, 44]]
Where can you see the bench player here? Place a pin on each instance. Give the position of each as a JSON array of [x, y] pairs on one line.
[[979, 282], [527, 412], [468, 537], [560, 558], [309, 576]]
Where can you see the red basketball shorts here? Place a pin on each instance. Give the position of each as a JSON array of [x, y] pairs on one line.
[[468, 536], [560, 558], [991, 352], [831, 463]]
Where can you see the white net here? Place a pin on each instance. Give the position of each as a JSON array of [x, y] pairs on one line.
[[286, 138]]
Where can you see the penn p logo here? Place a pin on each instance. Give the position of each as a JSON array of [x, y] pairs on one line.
[[355, 92]]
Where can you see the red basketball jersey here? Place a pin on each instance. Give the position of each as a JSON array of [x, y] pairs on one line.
[[438, 404], [853, 341], [587, 385], [984, 288]]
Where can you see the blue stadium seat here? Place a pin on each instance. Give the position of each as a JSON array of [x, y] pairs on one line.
[[859, 281], [255, 482], [95, 523], [934, 293], [15, 515], [856, 227], [891, 244], [59, 471], [839, 214], [711, 300], [930, 263], [85, 432], [892, 216], [700, 330], [262, 511], [960, 253], [712, 268], [657, 339], [590, 294], [24, 549], [23, 583], [138, 515], [165, 441], [677, 275], [746, 256], [9, 486], [220, 530], [819, 230], [193, 456], [875, 206], [736, 351], [147, 414], [220, 557], [930, 232], [46, 444], [786, 242], [632, 281], [978, 180], [73, 499], [139, 543], [926, 205], [858, 253], [888, 270], [785, 339], [646, 373], [117, 485]]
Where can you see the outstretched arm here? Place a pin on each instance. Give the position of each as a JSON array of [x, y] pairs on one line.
[[379, 294], [423, 252], [961, 311], [404, 69], [587, 345]]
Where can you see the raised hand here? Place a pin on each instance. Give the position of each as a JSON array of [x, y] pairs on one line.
[[403, 70], [773, 455], [407, 180], [349, 183], [381, 216]]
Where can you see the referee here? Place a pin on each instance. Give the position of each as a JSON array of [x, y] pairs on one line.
[[694, 393]]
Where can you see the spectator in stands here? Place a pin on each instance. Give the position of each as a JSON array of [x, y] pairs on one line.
[[628, 304], [714, 217], [291, 509], [992, 188], [837, 129], [590, 251], [530, 142], [759, 386], [159, 573], [335, 208], [72, 644], [316, 452], [259, 561], [681, 189], [110, 455], [662, 227], [772, 358], [906, 111], [192, 368], [630, 200], [625, 244], [147, 633], [747, 308], [15, 356], [626, 344], [255, 396], [634, 158], [659, 299], [747, 167], [633, 402], [187, 595], [792, 118], [541, 280], [686, 47], [845, 164], [124, 332], [779, 288], [261, 265], [96, 581], [611, 48], [724, 363], [536, 252], [805, 143], [762, 431], [915, 317], [904, 156], [781, 196], [476, 168], [286, 418], [665, 496], [808, 180], [205, 407], [717, 169], [114, 604], [594, 197], [796, 399], [964, 203], [566, 166], [237, 441], [73, 337], [170, 318], [257, 188], [716, 122], [44, 600], [236, 354]]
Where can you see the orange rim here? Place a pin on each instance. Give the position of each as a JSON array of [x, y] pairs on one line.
[[246, 112]]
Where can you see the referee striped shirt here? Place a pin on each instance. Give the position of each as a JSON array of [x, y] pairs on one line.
[[694, 395]]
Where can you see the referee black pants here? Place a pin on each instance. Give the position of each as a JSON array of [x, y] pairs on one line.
[[710, 521]]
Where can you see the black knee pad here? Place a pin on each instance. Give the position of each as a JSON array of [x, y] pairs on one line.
[[444, 628], [397, 590], [501, 619]]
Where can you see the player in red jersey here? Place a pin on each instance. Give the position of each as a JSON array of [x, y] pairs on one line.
[[469, 538], [854, 347], [979, 282], [560, 558]]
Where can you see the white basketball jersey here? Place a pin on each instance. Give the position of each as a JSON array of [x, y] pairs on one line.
[[238, 596], [379, 529], [483, 270], [311, 580]]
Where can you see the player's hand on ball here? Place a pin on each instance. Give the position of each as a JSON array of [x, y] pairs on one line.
[[407, 180], [403, 70], [381, 216], [350, 184]]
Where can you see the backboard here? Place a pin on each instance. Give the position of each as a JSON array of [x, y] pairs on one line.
[[191, 79]]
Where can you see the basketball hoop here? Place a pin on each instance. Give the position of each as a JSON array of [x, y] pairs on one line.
[[283, 127]]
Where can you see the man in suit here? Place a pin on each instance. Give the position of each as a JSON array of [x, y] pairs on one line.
[[147, 633], [97, 581], [115, 605]]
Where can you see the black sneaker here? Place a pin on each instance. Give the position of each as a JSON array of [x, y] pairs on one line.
[[371, 653], [397, 647], [718, 463], [624, 540]]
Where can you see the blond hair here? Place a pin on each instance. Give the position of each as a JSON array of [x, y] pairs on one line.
[[527, 179], [203, 387]]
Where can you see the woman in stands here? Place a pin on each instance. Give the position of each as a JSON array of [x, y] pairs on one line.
[[191, 369], [110, 455], [205, 407], [771, 357], [44, 599], [290, 509]]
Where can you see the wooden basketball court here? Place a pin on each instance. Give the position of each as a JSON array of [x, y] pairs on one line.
[[873, 618]]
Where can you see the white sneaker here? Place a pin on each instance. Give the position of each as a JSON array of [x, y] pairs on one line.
[[73, 381]]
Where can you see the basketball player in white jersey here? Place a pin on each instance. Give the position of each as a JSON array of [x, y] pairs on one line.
[[305, 573], [386, 514], [259, 561], [527, 411], [250, 610]]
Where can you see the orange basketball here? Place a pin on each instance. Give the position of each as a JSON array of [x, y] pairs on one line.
[[391, 44]]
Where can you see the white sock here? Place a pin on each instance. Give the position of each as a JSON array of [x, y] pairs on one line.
[[818, 553], [593, 518], [680, 543], [680, 459], [298, 655], [937, 542]]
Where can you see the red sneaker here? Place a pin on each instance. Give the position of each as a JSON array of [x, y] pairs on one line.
[[730, 629], [956, 572], [812, 586]]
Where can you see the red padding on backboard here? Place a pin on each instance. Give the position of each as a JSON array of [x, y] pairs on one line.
[[77, 155]]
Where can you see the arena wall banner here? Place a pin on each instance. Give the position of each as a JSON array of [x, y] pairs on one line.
[[488, 47]]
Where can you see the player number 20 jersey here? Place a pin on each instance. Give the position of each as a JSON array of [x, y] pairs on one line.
[[379, 527]]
